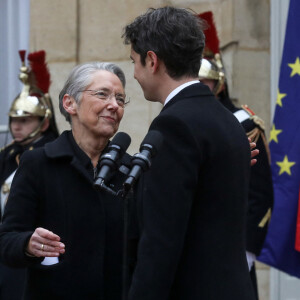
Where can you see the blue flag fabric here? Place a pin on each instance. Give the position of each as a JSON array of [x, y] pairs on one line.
[[279, 247]]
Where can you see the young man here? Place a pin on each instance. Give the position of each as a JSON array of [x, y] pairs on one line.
[[191, 204]]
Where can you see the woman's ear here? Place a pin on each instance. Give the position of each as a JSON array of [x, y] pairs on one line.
[[69, 104]]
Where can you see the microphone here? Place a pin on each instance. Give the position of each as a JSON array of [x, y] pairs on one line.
[[142, 161], [108, 161]]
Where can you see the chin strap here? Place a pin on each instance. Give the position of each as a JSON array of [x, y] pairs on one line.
[[34, 133]]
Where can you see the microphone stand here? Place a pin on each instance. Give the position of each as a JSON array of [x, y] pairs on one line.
[[99, 184], [141, 162]]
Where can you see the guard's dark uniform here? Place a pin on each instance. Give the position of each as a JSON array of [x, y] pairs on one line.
[[260, 200], [10, 156]]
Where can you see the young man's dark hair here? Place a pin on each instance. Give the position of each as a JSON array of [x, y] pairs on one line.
[[175, 35]]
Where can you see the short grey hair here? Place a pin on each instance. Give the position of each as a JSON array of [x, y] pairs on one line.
[[81, 77]]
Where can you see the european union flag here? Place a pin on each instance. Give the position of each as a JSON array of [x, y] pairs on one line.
[[279, 248]]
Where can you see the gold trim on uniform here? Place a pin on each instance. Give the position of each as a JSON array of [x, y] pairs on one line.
[[265, 219], [18, 159], [258, 121], [254, 134], [258, 131]]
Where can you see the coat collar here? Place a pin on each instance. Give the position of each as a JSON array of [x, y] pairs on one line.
[[194, 90], [61, 147]]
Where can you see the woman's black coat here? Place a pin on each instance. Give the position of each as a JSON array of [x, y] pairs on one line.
[[53, 189], [12, 281]]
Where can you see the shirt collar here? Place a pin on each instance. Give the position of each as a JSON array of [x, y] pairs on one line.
[[178, 89]]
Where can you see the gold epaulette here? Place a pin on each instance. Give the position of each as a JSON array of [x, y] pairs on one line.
[[258, 131], [256, 119], [6, 146]]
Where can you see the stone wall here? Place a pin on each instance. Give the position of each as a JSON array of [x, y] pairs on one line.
[[77, 31]]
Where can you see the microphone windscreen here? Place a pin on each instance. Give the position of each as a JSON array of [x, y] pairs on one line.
[[153, 138], [122, 140]]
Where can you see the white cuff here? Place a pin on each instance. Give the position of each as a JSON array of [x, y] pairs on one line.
[[250, 259]]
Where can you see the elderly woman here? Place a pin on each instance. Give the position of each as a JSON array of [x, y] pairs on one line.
[[68, 234]]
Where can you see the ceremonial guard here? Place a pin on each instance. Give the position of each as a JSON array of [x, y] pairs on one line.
[[260, 199], [32, 125]]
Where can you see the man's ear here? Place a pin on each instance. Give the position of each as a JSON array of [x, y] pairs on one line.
[[152, 60], [45, 125], [69, 104]]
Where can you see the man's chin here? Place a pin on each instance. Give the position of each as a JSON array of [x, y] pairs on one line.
[[151, 99], [18, 139]]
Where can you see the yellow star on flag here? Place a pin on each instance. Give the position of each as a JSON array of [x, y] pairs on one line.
[[274, 133], [295, 67], [280, 96], [285, 165]]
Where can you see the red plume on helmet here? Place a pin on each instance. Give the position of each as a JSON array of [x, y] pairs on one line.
[[211, 65], [37, 62], [211, 36], [22, 56]]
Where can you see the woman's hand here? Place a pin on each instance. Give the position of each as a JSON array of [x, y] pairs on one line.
[[45, 243]]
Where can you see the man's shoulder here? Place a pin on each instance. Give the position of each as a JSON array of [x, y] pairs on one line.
[[9, 152], [198, 112], [194, 92], [6, 148]]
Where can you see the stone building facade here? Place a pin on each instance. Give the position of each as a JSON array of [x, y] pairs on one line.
[[78, 31]]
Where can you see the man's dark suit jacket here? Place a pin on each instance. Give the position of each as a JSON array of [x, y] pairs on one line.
[[260, 198], [192, 205]]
